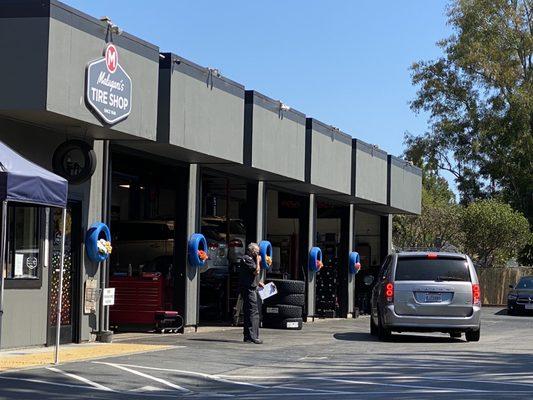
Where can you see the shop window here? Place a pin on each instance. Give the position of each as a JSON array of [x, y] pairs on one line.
[[24, 256]]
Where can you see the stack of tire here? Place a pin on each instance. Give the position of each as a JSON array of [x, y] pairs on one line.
[[284, 310]]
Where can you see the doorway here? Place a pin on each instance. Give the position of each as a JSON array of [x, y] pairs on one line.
[[146, 267], [224, 223], [71, 275]]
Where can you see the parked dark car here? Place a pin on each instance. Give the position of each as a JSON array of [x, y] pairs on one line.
[[520, 298]]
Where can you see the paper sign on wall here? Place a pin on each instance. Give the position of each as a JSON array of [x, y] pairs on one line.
[[19, 262], [109, 296], [92, 295]]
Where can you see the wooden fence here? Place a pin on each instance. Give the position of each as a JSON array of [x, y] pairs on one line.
[[495, 283]]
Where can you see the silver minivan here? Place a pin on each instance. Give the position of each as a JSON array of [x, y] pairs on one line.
[[426, 292]]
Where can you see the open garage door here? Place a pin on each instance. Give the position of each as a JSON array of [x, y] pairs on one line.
[[224, 223], [146, 222]]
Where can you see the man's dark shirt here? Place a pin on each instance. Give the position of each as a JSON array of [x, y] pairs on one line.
[[247, 276]]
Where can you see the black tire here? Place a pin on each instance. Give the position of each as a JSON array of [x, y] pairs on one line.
[[373, 327], [288, 286], [287, 299], [511, 312], [473, 336], [272, 321], [455, 335], [384, 334], [282, 311], [89, 156]]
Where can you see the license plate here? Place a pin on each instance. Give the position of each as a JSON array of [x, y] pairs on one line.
[[272, 310], [433, 298], [529, 306], [292, 324]]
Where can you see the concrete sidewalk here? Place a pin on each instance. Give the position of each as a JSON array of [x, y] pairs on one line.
[[42, 356]]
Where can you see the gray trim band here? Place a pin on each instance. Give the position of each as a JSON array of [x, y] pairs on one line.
[[78, 20], [400, 163], [369, 149], [328, 131], [201, 74], [273, 106]]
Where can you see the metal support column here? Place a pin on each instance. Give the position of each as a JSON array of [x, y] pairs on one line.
[[389, 234], [351, 277], [3, 251], [261, 211], [261, 218], [104, 334], [192, 276], [311, 275], [385, 237]]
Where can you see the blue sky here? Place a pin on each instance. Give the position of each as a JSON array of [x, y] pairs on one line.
[[343, 62]]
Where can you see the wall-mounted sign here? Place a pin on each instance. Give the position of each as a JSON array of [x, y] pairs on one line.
[[92, 296], [108, 87], [108, 298], [74, 160]]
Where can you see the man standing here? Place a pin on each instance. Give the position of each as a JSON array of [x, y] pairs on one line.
[[249, 279]]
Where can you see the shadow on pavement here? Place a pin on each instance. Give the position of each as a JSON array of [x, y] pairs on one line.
[[503, 311], [214, 340], [397, 338]]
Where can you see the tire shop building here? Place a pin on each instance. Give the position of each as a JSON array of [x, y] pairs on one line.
[[159, 149]]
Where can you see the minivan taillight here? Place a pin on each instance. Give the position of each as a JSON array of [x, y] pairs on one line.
[[389, 292], [476, 294]]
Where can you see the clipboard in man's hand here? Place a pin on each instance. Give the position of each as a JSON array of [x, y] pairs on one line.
[[267, 291]]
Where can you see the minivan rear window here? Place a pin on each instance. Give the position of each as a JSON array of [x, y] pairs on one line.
[[438, 269]]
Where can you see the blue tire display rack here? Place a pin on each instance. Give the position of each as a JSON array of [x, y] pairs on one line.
[[97, 231], [196, 243], [315, 254], [354, 262], [265, 249]]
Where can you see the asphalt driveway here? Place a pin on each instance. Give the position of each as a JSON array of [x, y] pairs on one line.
[[328, 358]]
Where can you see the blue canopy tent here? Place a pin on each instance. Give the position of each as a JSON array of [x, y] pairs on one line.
[[22, 181]]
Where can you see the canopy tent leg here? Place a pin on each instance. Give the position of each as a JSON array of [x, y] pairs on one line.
[[3, 249], [60, 294]]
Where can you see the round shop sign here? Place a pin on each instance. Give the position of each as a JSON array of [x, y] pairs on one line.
[[108, 87], [74, 160]]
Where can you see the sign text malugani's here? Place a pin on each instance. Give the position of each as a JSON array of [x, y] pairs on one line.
[[108, 87]]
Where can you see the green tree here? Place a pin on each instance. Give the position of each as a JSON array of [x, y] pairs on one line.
[[439, 222], [479, 96], [494, 232]]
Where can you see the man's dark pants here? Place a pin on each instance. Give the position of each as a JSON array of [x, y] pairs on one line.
[[250, 311]]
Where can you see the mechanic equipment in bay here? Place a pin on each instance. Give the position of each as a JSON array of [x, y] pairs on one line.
[[168, 321]]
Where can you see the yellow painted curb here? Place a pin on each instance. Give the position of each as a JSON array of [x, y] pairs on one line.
[[74, 353]]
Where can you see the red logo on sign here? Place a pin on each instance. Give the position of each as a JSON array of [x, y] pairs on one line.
[[111, 58]]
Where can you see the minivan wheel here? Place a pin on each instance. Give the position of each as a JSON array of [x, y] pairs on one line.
[[384, 334], [373, 327], [473, 336]]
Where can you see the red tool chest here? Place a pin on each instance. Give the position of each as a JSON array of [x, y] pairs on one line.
[[137, 299]]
